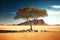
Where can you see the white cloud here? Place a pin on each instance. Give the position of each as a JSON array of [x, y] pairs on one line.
[[53, 17], [56, 6], [12, 12], [53, 12]]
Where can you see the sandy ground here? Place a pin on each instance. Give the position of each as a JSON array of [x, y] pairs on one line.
[[30, 36], [35, 27]]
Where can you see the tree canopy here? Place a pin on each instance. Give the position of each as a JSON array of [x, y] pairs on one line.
[[30, 12]]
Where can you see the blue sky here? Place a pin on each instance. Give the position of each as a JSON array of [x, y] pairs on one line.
[[8, 9]]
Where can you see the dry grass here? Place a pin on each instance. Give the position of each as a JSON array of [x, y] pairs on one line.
[[30, 36], [24, 27]]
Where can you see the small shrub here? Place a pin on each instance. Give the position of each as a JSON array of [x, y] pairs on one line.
[[35, 30]]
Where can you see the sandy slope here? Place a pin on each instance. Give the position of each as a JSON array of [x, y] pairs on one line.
[[30, 36]]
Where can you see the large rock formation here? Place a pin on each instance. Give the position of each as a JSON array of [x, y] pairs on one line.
[[34, 22]]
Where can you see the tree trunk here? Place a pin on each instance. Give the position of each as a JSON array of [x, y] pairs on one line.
[[31, 27], [29, 24], [27, 21]]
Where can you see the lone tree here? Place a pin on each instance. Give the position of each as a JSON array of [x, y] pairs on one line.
[[30, 12]]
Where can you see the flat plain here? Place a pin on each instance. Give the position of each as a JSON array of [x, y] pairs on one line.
[[54, 33]]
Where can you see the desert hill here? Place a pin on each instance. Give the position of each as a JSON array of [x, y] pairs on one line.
[[34, 22]]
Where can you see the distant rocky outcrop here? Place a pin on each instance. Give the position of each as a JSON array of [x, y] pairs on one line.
[[34, 22]]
